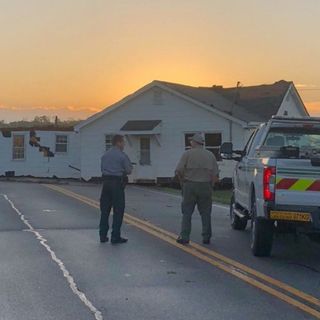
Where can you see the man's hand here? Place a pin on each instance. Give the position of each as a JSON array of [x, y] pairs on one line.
[[179, 176], [215, 179]]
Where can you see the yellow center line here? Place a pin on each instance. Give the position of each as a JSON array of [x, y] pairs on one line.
[[224, 263]]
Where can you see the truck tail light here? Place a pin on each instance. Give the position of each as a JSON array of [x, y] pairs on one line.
[[269, 181]]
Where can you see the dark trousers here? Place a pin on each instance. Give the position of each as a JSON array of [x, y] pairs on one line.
[[196, 194], [112, 197]]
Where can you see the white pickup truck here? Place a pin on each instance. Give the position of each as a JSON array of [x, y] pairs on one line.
[[277, 181]]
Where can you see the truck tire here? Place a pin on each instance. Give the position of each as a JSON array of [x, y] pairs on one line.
[[261, 234], [237, 223]]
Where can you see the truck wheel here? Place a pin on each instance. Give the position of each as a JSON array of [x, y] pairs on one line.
[[261, 234], [237, 223]]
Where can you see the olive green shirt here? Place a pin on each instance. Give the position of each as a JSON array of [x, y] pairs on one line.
[[198, 165]]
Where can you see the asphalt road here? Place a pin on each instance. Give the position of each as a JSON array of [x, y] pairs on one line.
[[53, 267]]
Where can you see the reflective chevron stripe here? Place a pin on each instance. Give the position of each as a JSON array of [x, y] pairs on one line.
[[315, 186], [297, 184]]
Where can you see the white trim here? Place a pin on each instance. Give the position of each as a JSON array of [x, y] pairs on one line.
[[304, 110], [152, 84], [113, 107], [111, 135], [158, 139], [141, 150], [292, 90], [24, 147], [61, 153]]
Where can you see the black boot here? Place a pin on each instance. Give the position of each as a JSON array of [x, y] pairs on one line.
[[104, 239], [182, 241], [118, 240]]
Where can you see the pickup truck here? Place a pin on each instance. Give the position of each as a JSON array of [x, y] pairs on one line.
[[276, 182]]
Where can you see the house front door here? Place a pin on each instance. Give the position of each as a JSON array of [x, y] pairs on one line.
[[143, 167]]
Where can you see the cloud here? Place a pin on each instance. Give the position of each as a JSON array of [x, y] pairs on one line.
[[12, 113], [305, 86], [46, 108]]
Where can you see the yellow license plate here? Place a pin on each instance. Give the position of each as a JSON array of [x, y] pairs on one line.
[[291, 216]]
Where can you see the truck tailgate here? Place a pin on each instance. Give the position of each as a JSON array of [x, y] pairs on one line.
[[297, 183]]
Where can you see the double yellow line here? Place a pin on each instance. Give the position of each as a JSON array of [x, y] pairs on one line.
[[276, 288]]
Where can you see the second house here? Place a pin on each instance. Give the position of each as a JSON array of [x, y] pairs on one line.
[[158, 119]]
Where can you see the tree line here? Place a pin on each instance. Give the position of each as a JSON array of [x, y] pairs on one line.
[[39, 121]]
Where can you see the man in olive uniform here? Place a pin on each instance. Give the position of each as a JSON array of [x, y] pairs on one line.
[[197, 171], [115, 166]]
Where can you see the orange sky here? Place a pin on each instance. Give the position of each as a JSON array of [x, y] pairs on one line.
[[73, 57]]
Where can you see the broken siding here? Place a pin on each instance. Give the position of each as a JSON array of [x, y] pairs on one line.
[[36, 161]]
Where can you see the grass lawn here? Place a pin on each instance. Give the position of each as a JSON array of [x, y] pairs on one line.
[[222, 196], [219, 196]]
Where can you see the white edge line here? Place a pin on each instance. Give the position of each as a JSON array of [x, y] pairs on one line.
[[66, 273], [173, 195]]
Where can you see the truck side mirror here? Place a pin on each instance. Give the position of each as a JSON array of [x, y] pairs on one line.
[[226, 150]]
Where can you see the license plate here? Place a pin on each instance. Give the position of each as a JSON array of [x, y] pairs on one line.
[[290, 216]]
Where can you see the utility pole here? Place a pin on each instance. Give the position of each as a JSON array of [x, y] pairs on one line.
[[235, 98]]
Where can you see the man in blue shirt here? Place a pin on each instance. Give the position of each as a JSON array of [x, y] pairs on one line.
[[115, 166]]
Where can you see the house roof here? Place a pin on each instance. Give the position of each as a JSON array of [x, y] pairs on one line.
[[140, 125], [239, 104], [250, 104]]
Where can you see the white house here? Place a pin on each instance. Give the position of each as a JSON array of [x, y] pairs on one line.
[[158, 119], [156, 122], [39, 152]]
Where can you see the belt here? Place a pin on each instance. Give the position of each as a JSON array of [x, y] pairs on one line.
[[112, 178]]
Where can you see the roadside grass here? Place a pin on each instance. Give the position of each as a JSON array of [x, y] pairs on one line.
[[222, 196], [219, 196]]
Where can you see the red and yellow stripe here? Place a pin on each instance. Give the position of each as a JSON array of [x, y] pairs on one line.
[[297, 184]]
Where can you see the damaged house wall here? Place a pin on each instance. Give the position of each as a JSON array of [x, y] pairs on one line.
[[39, 153]]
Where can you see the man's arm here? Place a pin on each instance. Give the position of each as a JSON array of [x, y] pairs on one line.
[[179, 172], [215, 170], [127, 165]]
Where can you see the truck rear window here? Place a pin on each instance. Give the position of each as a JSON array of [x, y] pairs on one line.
[[304, 139]]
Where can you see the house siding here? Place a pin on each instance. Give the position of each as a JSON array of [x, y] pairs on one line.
[[178, 116], [291, 106], [35, 163]]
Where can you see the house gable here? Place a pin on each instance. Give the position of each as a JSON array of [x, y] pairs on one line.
[[292, 104], [168, 124], [154, 84]]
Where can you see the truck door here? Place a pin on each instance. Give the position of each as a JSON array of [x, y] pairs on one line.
[[242, 188]]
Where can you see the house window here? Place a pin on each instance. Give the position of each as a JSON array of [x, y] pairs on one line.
[[212, 142], [187, 138], [61, 143], [108, 141], [157, 97], [145, 156], [18, 150]]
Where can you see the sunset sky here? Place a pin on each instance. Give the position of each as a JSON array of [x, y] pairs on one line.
[[72, 58]]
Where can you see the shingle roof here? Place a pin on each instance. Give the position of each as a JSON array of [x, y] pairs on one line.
[[253, 103], [140, 125]]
